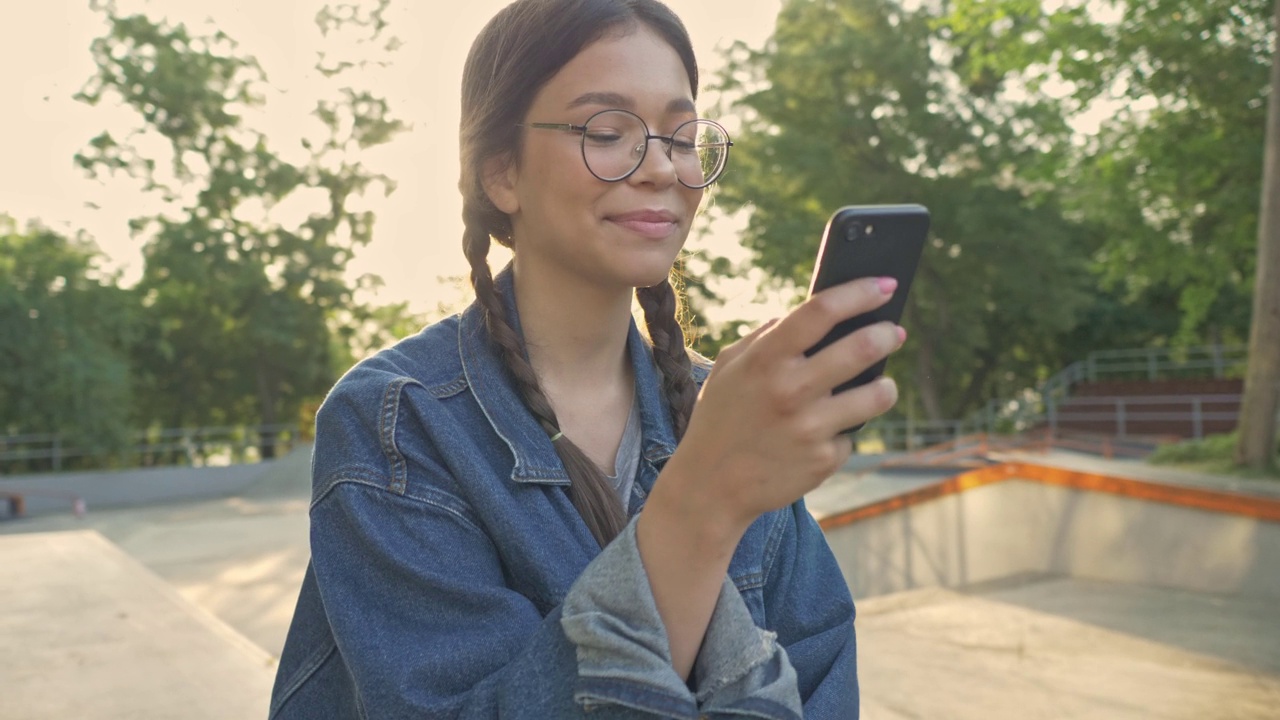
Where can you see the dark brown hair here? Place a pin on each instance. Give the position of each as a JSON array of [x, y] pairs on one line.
[[520, 49]]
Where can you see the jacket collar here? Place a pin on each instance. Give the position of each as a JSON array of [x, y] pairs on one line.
[[536, 460]]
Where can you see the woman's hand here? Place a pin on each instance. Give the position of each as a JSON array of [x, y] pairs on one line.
[[766, 429]]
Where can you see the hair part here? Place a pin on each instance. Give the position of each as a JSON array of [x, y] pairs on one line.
[[512, 58]]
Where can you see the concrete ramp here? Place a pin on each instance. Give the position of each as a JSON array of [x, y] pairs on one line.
[[1018, 519], [1031, 591], [88, 632], [1055, 648]]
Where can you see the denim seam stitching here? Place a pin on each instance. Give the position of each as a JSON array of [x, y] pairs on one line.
[[595, 690], [459, 512], [362, 476], [449, 389], [387, 432], [378, 483], [773, 542], [763, 707], [466, 373], [749, 581], [309, 668]]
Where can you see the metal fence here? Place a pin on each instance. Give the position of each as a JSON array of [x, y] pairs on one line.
[[168, 446], [1194, 415], [1040, 406]]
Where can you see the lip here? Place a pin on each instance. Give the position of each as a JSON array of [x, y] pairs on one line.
[[650, 223], [645, 216]]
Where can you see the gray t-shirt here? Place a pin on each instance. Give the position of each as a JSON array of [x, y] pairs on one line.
[[628, 459]]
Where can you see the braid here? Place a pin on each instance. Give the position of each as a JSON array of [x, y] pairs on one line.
[[589, 491], [660, 316]]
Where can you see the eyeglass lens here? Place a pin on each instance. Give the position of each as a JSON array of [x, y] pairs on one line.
[[614, 145]]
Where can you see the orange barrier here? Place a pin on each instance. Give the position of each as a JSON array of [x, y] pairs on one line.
[[1198, 498]]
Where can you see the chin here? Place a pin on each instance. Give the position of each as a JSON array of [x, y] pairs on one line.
[[649, 274]]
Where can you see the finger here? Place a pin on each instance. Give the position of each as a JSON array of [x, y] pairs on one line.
[[843, 450], [858, 405], [850, 355], [811, 322]]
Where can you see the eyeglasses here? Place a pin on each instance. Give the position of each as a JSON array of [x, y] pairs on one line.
[[615, 142]]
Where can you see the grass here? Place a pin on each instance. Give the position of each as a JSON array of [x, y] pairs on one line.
[[1214, 454]]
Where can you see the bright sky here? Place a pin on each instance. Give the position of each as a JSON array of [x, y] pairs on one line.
[[44, 53]]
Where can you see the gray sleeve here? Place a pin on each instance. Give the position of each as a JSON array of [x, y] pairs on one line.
[[611, 618]]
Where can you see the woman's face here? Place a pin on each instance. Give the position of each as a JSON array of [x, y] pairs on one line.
[[569, 224]]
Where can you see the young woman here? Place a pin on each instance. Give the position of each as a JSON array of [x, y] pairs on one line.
[[520, 512]]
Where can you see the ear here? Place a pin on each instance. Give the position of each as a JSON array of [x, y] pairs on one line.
[[499, 180]]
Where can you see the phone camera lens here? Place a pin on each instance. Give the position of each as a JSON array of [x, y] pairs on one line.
[[853, 232]]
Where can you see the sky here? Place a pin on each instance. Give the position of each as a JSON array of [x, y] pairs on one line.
[[45, 60]]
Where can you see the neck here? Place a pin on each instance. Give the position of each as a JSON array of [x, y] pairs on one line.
[[576, 333]]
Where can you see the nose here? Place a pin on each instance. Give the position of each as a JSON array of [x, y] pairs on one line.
[[655, 168]]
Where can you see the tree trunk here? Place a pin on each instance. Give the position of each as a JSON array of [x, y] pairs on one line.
[[926, 379], [1257, 445], [267, 404]]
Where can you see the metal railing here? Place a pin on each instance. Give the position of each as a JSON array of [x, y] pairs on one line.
[[1124, 412], [1039, 406], [167, 446]]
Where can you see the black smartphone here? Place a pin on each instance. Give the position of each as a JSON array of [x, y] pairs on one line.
[[870, 241]]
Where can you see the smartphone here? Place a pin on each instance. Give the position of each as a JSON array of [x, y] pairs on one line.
[[870, 241]]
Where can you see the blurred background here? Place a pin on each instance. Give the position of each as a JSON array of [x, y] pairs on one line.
[[212, 211], [209, 211]]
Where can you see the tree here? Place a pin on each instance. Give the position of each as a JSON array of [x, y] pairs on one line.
[[65, 330], [1171, 176], [855, 102], [238, 304], [1257, 443]]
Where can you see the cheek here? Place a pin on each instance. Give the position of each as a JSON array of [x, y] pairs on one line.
[[694, 199]]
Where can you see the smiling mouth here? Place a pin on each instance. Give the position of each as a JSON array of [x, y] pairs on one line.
[[650, 223]]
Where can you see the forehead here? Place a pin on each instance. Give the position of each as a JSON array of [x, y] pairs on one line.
[[637, 71]]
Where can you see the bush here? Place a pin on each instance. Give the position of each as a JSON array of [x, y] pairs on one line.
[[1215, 453], [1214, 448]]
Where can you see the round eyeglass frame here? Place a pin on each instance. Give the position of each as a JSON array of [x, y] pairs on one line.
[[668, 142]]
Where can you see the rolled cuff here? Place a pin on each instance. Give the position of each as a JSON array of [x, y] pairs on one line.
[[624, 657]]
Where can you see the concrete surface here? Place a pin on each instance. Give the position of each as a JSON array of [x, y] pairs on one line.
[[241, 558], [88, 632], [1051, 649], [1141, 470], [1030, 645]]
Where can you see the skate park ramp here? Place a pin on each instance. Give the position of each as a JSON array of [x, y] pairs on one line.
[[1030, 590], [154, 608], [1119, 591]]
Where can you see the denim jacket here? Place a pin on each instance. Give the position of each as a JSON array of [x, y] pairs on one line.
[[451, 577]]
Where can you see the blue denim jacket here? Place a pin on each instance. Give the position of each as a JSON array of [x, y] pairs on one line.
[[451, 577]]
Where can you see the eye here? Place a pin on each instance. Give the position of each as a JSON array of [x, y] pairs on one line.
[[603, 136], [682, 144]]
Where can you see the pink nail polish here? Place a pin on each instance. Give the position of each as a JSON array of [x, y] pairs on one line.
[[902, 334], [887, 285]]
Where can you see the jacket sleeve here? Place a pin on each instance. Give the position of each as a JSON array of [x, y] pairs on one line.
[[430, 629], [808, 603], [426, 622]]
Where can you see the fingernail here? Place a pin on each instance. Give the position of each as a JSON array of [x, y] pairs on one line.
[[902, 334], [887, 285]]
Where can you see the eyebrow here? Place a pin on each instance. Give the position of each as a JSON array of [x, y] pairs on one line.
[[617, 100]]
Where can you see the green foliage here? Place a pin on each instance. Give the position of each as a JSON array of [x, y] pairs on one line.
[[1215, 453], [855, 102], [64, 335], [238, 307], [1172, 177]]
